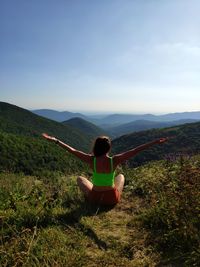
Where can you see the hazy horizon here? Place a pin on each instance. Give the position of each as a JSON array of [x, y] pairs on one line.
[[96, 113], [114, 56]]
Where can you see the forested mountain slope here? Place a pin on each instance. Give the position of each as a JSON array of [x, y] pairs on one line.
[[35, 156], [19, 121], [86, 127], [22, 148], [185, 140], [21, 137]]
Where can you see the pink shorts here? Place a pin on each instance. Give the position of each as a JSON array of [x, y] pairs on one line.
[[108, 197]]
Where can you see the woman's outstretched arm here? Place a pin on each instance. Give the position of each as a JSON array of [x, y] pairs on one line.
[[120, 158], [81, 155]]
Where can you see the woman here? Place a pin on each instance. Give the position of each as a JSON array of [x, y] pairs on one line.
[[105, 188]]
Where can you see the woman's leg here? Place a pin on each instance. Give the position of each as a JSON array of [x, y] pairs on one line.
[[119, 182], [85, 185]]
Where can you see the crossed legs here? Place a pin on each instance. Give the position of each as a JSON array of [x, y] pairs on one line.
[[119, 182], [86, 186]]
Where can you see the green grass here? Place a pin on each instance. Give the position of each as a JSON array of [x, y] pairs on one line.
[[46, 221]]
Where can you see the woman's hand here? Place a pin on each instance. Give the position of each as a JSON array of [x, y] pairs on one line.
[[50, 138]]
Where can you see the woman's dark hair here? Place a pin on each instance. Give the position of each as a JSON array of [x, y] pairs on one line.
[[101, 146]]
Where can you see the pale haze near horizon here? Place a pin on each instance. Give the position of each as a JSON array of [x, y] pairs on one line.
[[101, 56]]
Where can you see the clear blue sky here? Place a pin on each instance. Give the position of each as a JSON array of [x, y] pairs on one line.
[[133, 56]]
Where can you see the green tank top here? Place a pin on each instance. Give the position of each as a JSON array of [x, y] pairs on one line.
[[103, 179]]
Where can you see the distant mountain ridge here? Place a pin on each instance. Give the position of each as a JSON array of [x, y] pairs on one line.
[[195, 115], [116, 119], [142, 125], [58, 115]]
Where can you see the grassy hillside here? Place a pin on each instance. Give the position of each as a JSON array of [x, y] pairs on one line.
[[86, 127], [186, 140], [19, 121], [46, 222]]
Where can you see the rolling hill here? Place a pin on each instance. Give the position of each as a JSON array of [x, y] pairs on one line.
[[86, 127], [19, 121], [142, 125], [57, 115], [118, 119], [186, 140], [22, 148], [20, 135], [35, 156], [45, 219], [195, 115]]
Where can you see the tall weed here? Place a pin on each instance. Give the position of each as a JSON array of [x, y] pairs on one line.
[[172, 191]]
